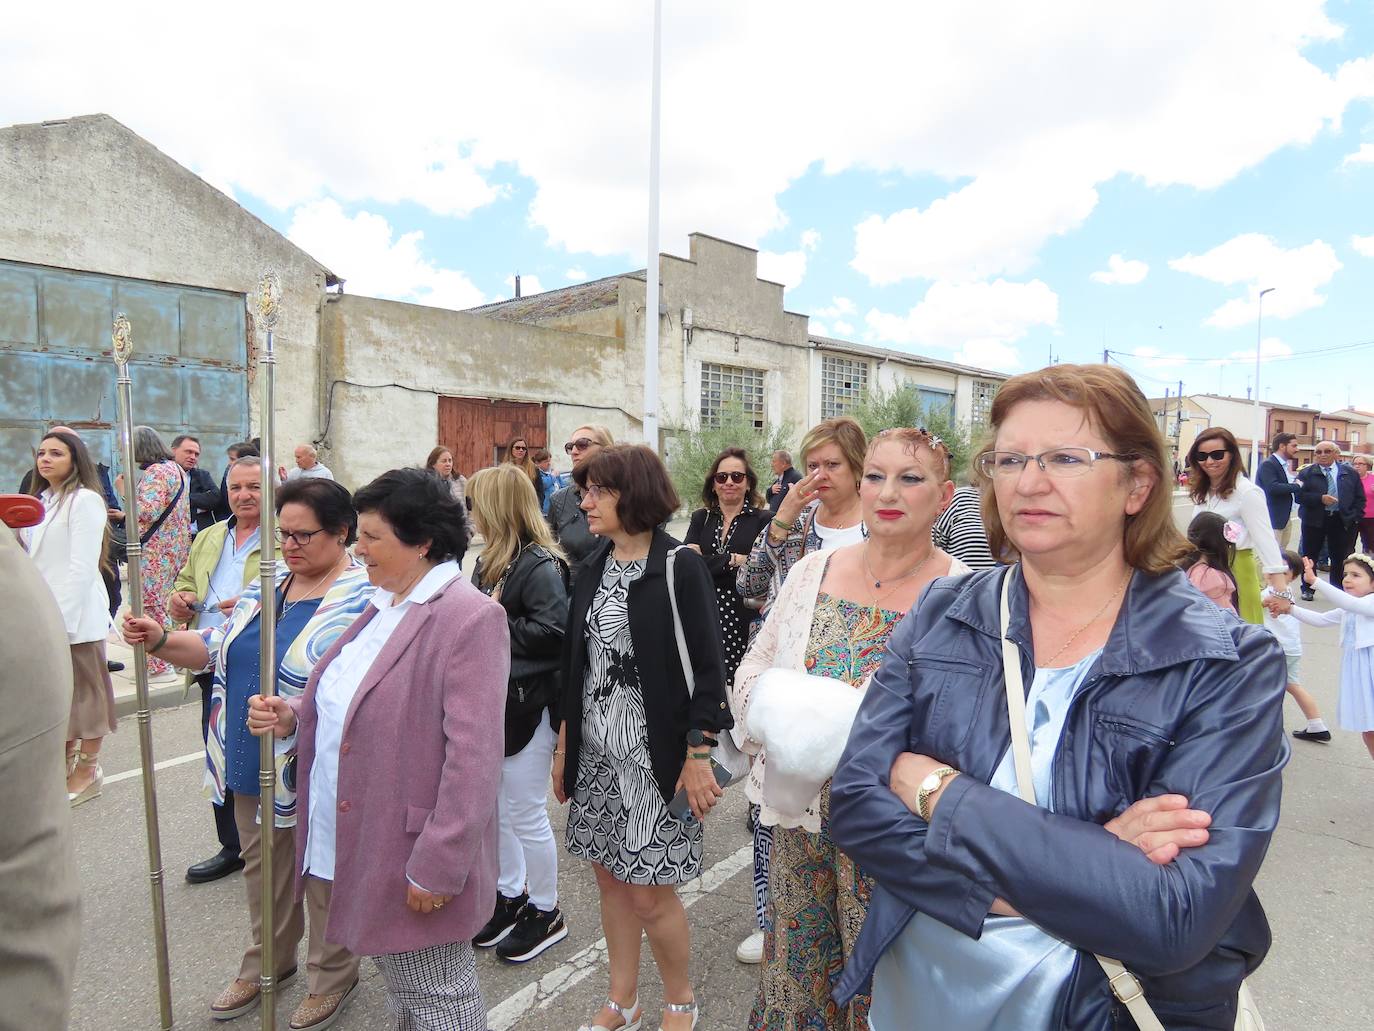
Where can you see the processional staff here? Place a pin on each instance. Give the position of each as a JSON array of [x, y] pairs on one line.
[[123, 348]]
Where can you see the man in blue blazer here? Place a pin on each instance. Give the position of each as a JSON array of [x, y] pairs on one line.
[[1273, 480], [1331, 506]]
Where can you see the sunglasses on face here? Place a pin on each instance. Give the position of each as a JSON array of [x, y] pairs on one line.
[[730, 477], [1212, 456], [580, 444], [519, 447]]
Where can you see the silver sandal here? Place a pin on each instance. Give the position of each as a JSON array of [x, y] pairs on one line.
[[630, 1014], [682, 1007]]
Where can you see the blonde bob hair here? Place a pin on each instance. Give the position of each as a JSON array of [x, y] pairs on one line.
[[845, 434], [1115, 407], [507, 512]]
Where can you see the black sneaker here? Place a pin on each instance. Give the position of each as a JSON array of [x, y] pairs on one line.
[[1312, 735], [502, 922], [534, 932]]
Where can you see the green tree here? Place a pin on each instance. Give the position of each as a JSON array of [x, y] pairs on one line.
[[881, 409], [691, 450]]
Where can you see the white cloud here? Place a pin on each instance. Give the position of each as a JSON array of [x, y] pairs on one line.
[[1257, 262], [1363, 245], [363, 249], [576, 274], [837, 308], [789, 267], [978, 321], [1121, 272], [1363, 156], [1270, 347], [844, 328], [285, 114], [529, 284]]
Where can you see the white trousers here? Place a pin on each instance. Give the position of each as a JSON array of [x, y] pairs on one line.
[[529, 853]]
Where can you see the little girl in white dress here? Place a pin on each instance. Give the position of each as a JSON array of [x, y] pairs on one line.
[[1354, 612]]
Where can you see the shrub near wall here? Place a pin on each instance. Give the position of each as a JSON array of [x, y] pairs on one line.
[[881, 410], [691, 451]]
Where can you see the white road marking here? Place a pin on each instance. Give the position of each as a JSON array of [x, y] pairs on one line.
[[137, 771], [545, 992]]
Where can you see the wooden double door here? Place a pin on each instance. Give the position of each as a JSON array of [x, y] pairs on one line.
[[477, 429]]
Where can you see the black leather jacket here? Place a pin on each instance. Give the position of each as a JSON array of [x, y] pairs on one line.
[[569, 525], [1184, 698]]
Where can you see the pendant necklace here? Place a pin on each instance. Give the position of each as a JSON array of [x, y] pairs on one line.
[[878, 584], [1096, 617]]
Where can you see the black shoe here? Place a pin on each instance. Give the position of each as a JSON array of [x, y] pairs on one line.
[[1309, 595], [1323, 567], [217, 866], [502, 922], [534, 932], [1312, 735], [113, 667]]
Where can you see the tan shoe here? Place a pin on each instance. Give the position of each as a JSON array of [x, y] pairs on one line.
[[317, 1012], [241, 997]]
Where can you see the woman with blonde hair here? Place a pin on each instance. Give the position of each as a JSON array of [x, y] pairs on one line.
[[565, 515], [518, 454], [523, 568]]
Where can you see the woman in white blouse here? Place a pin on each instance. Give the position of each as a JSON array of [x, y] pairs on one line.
[[1217, 484], [69, 547]]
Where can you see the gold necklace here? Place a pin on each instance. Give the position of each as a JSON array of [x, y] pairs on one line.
[[877, 584], [1115, 594]]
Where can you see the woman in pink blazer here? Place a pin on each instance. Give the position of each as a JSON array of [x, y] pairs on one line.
[[398, 766]]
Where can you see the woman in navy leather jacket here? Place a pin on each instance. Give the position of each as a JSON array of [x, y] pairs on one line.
[[1156, 746]]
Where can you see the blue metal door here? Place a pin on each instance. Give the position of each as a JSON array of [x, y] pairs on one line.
[[189, 370]]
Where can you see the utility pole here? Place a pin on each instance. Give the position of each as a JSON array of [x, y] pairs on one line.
[[651, 262]]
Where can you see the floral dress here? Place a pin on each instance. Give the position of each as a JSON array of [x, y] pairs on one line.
[[167, 550], [817, 897]]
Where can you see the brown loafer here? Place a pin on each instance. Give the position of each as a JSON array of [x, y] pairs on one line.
[[241, 997], [317, 1012]]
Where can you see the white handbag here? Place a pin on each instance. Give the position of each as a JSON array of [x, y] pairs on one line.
[[1124, 984], [726, 754]]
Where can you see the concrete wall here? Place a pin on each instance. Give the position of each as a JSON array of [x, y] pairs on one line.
[[389, 362], [88, 194]]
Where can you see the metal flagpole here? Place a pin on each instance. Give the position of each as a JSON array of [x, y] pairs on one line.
[[269, 307], [651, 262], [123, 348]]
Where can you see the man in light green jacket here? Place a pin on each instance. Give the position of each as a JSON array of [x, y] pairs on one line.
[[225, 558]]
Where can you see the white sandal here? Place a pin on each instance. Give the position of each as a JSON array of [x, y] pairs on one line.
[[630, 1014], [683, 1007]]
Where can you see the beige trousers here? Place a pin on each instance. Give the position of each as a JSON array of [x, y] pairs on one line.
[[329, 968]]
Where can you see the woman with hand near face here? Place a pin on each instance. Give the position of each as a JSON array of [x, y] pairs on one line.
[[833, 618]]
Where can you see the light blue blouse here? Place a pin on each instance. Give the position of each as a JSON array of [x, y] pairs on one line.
[[1013, 977]]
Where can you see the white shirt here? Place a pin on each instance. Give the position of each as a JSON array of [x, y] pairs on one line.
[[1247, 507], [334, 696], [319, 469], [832, 537]]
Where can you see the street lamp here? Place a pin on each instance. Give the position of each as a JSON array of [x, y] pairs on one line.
[[1259, 422]]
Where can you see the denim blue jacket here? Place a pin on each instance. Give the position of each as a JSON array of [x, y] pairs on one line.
[[1184, 698]]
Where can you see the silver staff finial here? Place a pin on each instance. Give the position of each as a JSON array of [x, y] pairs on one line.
[[122, 340], [269, 299]]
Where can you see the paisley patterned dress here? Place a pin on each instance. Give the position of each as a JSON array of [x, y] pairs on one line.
[[817, 897], [618, 818], [168, 549]]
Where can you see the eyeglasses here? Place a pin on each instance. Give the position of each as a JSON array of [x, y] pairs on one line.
[[735, 477], [301, 538], [519, 447], [1211, 456], [580, 444], [1060, 462], [596, 492]]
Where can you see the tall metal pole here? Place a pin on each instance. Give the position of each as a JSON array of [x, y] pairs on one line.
[[269, 307], [123, 347], [1258, 420], [651, 270]]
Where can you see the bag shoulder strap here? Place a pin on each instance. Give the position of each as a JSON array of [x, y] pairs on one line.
[[145, 537], [682, 655], [1122, 982]]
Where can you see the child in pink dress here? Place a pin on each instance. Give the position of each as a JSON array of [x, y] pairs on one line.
[[1209, 566]]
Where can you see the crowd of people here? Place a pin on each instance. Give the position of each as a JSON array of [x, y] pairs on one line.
[[945, 694]]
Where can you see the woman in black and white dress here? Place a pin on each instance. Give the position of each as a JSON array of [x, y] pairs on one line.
[[723, 533], [633, 733]]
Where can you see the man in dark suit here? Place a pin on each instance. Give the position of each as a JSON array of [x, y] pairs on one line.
[[204, 493], [1273, 480], [1331, 506], [785, 477]]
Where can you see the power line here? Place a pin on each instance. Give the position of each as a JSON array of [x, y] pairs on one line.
[[1295, 356]]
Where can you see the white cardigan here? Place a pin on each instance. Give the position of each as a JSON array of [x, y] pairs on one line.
[[1247, 506], [66, 547], [782, 642], [1354, 615]]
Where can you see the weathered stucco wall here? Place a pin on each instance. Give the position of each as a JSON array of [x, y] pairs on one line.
[[389, 362], [88, 194]]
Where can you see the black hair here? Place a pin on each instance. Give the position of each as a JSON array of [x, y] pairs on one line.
[[420, 508], [1207, 535], [330, 501]]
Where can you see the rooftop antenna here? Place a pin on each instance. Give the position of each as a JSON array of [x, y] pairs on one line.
[[517, 286]]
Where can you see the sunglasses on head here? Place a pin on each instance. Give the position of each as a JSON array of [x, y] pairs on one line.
[[581, 444], [731, 477], [1212, 456]]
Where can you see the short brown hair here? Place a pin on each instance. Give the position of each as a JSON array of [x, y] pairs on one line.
[[1116, 408], [645, 496], [541, 455], [1199, 483], [845, 434]]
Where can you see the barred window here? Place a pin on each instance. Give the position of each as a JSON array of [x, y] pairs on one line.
[[723, 385], [983, 392], [843, 383]]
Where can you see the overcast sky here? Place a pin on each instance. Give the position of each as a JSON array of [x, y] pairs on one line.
[[990, 182]]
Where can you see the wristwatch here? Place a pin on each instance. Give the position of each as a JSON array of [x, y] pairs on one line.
[[696, 738], [928, 787]]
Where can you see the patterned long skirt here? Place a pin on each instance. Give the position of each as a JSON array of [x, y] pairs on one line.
[[817, 902]]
